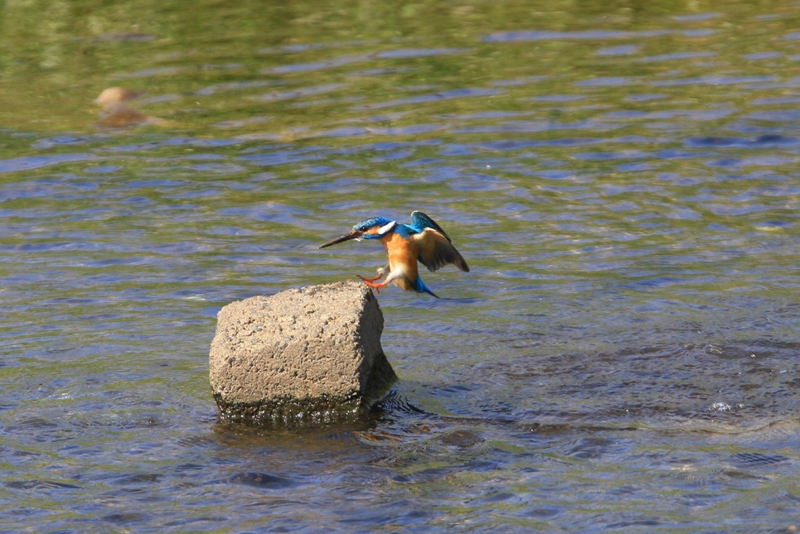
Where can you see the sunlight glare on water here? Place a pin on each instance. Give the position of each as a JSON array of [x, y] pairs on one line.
[[622, 180]]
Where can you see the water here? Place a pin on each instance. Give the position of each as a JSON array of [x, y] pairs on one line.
[[622, 181]]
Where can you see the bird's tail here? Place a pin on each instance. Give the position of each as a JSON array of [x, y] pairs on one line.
[[420, 287]]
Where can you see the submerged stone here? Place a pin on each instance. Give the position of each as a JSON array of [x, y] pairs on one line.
[[303, 355]]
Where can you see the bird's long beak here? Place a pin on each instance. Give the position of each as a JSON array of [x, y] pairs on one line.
[[352, 234]]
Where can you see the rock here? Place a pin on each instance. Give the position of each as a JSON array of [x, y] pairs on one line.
[[116, 113], [303, 355]]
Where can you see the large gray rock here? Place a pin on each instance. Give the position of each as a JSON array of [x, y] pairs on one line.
[[310, 354]]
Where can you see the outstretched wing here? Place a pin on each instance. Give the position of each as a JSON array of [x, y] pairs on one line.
[[420, 221], [436, 251]]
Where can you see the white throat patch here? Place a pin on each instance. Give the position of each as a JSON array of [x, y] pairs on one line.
[[386, 228]]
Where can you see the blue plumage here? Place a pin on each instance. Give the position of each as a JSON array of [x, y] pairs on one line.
[[405, 230], [363, 226]]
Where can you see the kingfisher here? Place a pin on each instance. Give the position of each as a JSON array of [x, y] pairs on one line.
[[422, 240]]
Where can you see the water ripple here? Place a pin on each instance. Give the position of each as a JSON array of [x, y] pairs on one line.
[[298, 93], [541, 35], [35, 162], [441, 95], [626, 337]]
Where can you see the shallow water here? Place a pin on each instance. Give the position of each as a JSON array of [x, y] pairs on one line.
[[621, 179]]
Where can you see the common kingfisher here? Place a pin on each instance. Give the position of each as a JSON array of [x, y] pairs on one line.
[[422, 240]]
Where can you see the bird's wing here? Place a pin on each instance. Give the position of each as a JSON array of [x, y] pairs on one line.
[[436, 251], [420, 221]]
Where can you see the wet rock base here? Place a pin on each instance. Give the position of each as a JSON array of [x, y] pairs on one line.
[[303, 356]]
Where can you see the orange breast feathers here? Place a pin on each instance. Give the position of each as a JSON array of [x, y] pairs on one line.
[[403, 254]]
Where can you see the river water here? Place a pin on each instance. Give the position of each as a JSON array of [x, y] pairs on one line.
[[621, 177]]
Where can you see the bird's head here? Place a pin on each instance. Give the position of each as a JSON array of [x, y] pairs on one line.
[[374, 228]]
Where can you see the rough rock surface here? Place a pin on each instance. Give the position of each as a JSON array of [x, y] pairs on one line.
[[309, 354]]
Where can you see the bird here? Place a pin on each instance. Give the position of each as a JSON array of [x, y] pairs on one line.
[[423, 240]]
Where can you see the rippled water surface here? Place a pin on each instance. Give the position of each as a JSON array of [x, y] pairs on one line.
[[621, 177]]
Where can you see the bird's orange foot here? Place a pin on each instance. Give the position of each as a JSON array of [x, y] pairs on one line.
[[370, 283]]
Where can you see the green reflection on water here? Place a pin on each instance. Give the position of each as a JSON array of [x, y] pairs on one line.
[[59, 55]]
